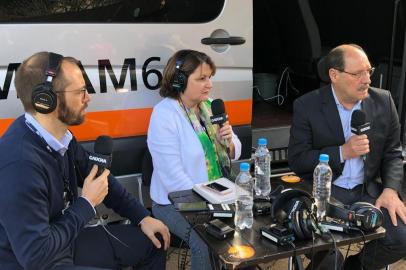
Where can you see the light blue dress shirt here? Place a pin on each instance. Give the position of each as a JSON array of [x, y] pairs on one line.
[[52, 143], [59, 146], [353, 172]]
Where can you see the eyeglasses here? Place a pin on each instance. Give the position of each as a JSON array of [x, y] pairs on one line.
[[83, 90], [360, 74]]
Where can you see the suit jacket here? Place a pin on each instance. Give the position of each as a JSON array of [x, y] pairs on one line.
[[317, 129]]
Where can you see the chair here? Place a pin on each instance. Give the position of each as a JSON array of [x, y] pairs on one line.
[[322, 71], [147, 168]]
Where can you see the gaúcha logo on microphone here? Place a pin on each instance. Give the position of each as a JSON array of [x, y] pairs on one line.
[[98, 159]]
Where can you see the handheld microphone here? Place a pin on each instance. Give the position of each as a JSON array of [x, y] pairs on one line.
[[359, 125], [220, 117], [102, 155], [219, 113]]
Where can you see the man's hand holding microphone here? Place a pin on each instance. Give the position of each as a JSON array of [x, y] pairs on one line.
[[96, 186], [358, 144]]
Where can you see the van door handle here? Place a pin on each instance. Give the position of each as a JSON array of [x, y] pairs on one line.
[[229, 41]]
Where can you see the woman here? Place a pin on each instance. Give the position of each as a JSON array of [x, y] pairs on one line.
[[186, 148]]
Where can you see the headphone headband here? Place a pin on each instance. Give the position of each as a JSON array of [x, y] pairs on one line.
[[54, 63], [285, 196], [179, 63], [43, 97], [179, 79]]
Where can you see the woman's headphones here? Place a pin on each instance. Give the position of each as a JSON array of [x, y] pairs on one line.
[[179, 79], [43, 97], [293, 209]]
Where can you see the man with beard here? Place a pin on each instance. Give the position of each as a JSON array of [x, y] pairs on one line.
[[42, 218], [365, 167]]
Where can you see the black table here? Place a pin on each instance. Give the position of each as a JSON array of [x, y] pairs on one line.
[[265, 250]]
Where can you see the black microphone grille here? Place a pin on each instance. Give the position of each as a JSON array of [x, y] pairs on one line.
[[358, 118], [217, 106], [103, 145]]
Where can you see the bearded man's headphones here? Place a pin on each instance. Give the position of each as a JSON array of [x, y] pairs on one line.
[[43, 97], [179, 78], [293, 209]]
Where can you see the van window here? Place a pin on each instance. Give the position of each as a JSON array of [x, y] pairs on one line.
[[110, 11]]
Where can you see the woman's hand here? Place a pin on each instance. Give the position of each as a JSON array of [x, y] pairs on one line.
[[225, 137]]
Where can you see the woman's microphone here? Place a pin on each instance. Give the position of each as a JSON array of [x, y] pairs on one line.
[[219, 115]]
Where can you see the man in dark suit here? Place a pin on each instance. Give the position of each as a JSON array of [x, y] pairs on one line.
[[321, 124]]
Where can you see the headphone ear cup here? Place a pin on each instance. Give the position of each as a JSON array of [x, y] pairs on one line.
[[357, 205], [43, 98], [179, 81], [296, 225], [305, 223], [308, 202], [371, 216], [280, 216]]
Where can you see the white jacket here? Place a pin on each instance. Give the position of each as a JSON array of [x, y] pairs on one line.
[[176, 151]]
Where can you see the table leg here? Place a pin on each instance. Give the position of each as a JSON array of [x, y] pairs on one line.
[[295, 263]]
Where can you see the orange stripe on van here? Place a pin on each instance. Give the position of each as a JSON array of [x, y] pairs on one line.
[[134, 122], [239, 112], [4, 123]]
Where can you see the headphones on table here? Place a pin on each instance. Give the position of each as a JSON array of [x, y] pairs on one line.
[[43, 97], [293, 209], [362, 215], [179, 79]]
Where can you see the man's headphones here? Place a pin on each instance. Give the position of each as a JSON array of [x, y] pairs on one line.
[[179, 79], [362, 215], [293, 209], [43, 98]]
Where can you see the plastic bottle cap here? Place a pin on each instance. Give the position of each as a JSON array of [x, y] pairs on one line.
[[262, 141], [324, 158], [245, 167]]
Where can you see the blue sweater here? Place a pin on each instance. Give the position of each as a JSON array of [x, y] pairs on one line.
[[34, 233]]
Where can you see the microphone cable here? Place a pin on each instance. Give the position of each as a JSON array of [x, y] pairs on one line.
[[182, 254], [294, 251], [364, 242], [182, 257], [312, 253], [116, 258], [335, 249], [225, 170], [348, 250], [100, 221]]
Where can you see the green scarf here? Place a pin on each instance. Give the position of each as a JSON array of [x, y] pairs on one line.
[[209, 142]]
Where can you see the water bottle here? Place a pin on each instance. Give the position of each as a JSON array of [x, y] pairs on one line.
[[322, 185], [262, 159], [243, 205]]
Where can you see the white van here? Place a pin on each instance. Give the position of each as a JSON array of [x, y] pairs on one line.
[[123, 47]]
